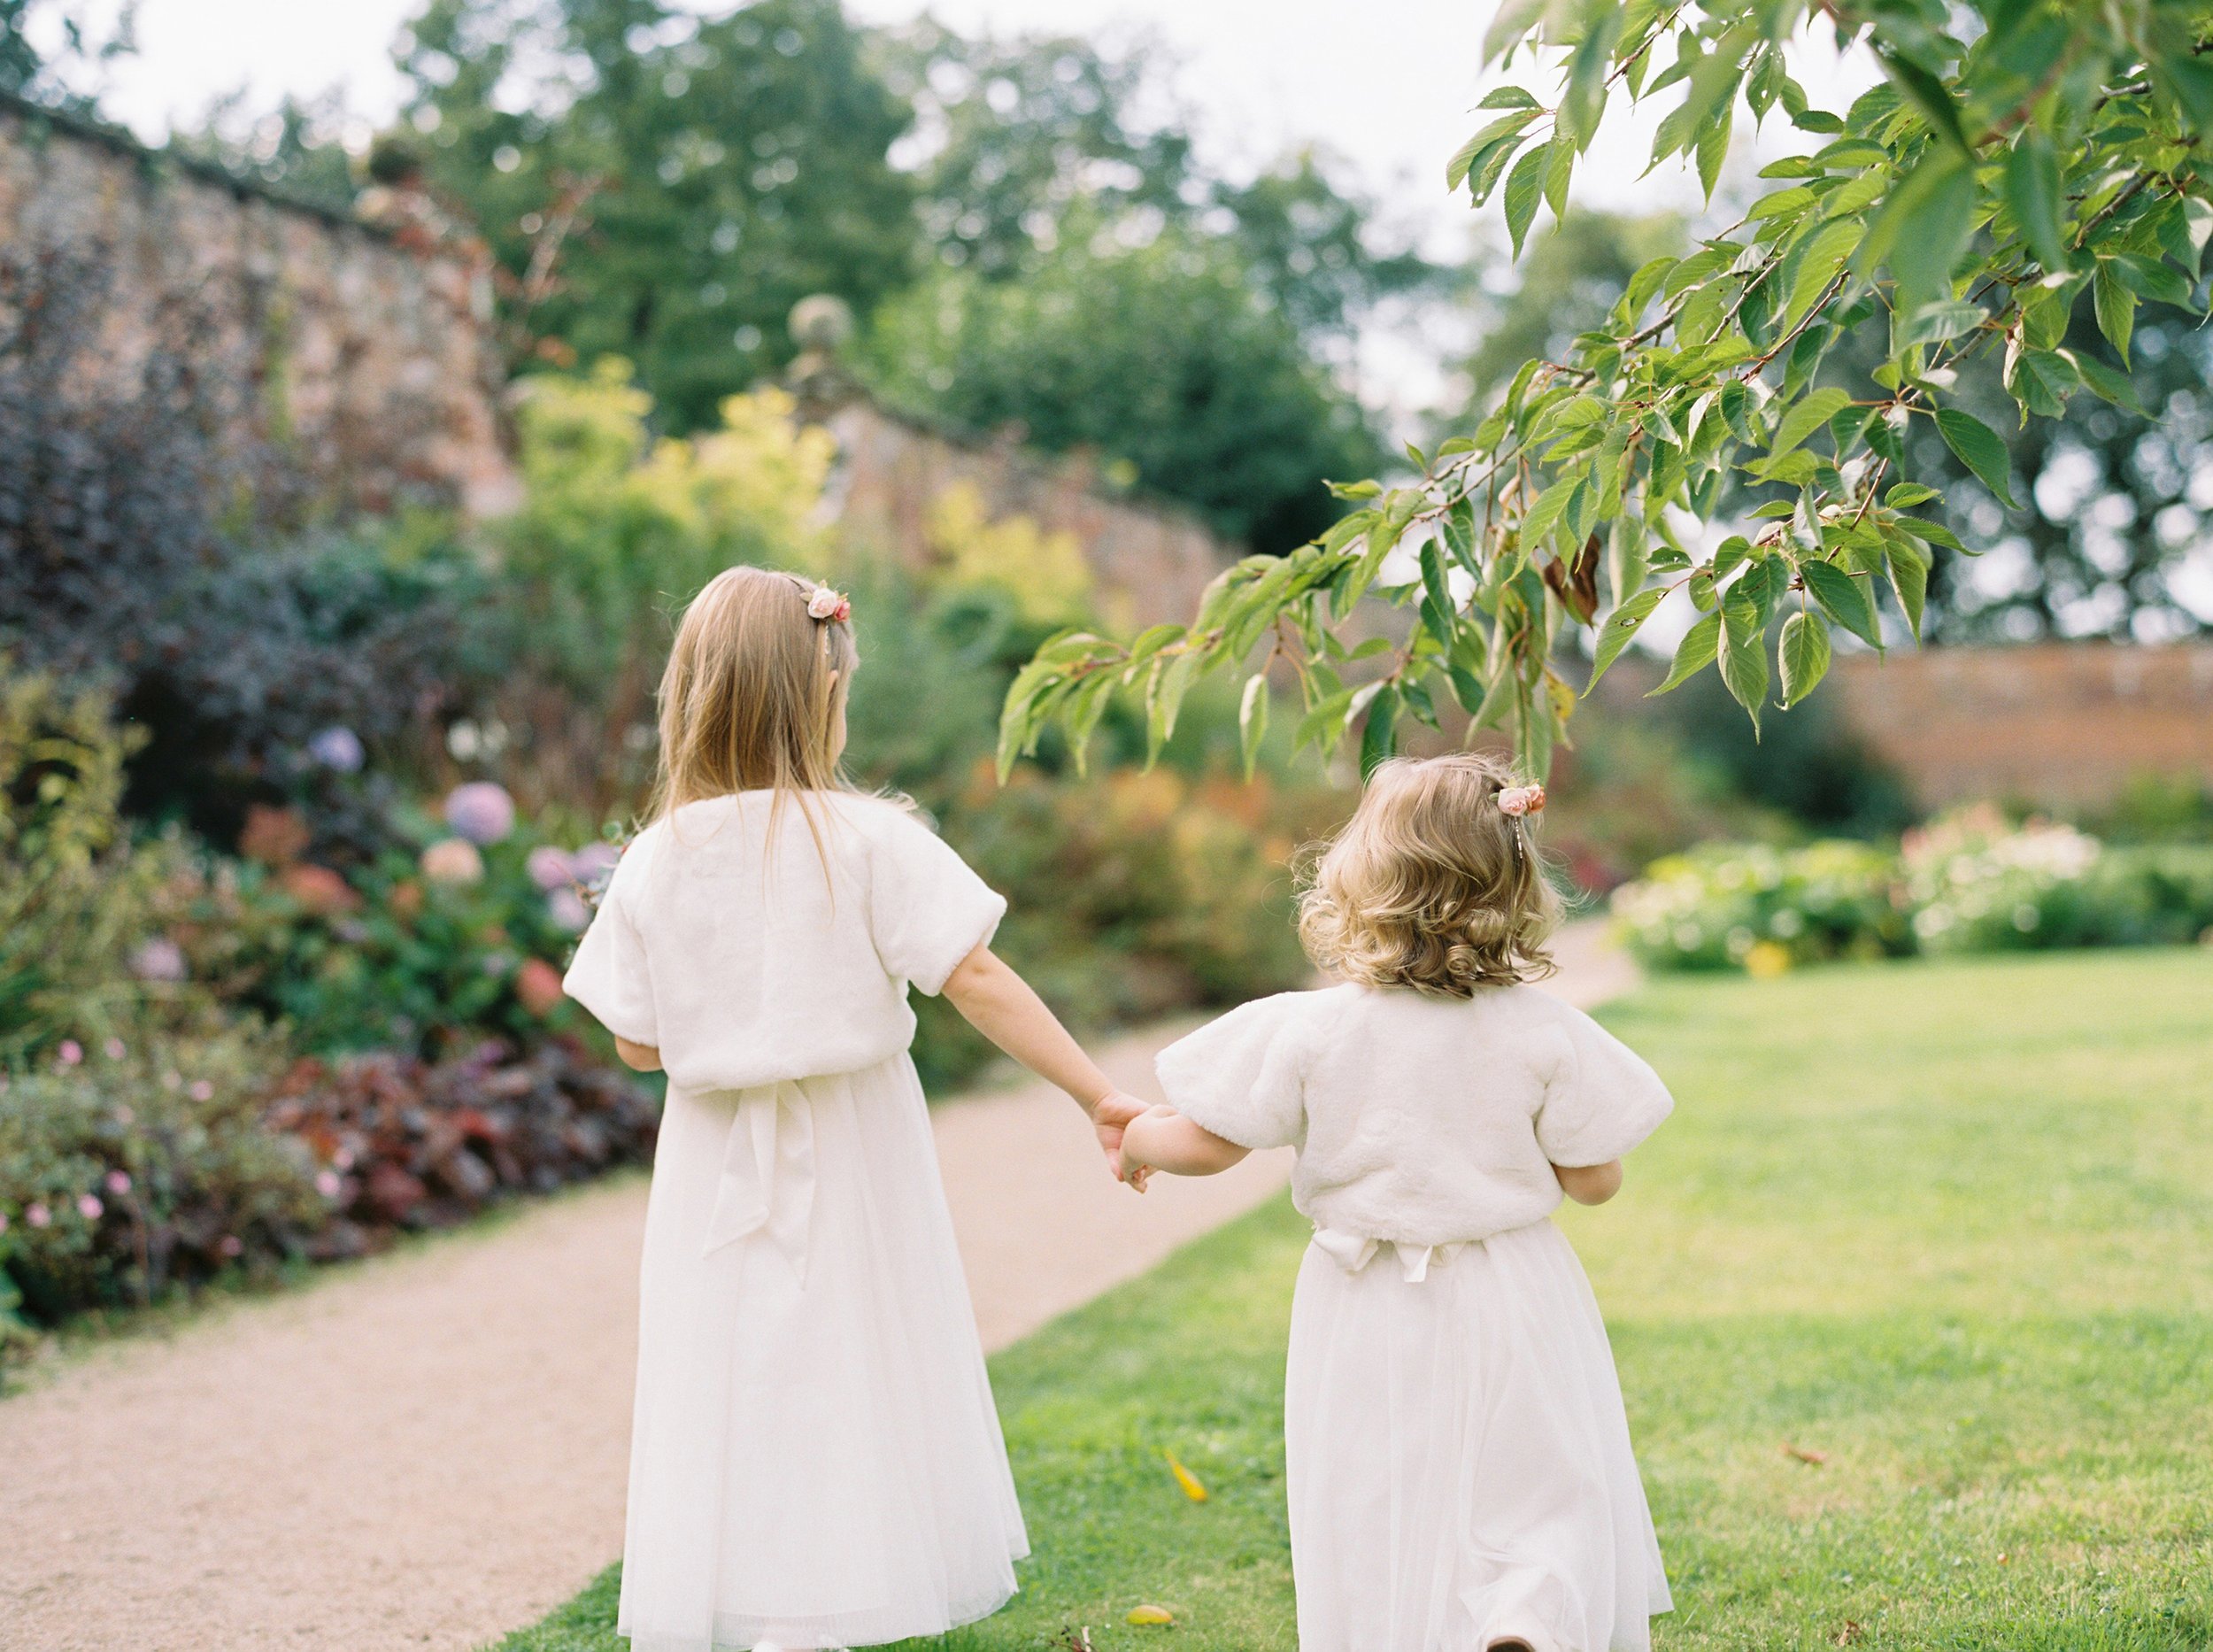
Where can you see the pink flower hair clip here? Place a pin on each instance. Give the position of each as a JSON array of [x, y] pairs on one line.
[[833, 606], [1517, 801]]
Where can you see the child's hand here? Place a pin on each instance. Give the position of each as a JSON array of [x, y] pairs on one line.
[[1110, 1115]]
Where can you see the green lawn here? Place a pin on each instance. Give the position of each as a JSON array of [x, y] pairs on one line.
[[1946, 1225]]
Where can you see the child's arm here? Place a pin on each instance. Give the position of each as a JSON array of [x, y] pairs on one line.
[[1001, 1006], [644, 1058], [1590, 1183], [1161, 1138]]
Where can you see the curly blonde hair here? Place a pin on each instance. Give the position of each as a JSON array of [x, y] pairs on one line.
[[1431, 885]]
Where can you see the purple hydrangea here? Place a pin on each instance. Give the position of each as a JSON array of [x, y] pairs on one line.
[[594, 860], [567, 910], [551, 868], [160, 959], [338, 748], [480, 811]]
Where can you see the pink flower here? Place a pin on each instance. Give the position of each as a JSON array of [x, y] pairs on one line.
[[550, 869], [70, 1052], [453, 860], [89, 1206], [113, 1050], [829, 605], [201, 1090], [119, 1182], [593, 860], [480, 811], [1520, 801], [38, 1216], [567, 910], [3, 1222], [230, 1244], [328, 1184], [158, 960]]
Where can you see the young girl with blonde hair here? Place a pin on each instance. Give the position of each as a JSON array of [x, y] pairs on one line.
[[1458, 1464], [815, 1461]]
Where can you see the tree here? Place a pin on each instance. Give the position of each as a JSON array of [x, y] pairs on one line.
[[77, 39], [2107, 515], [662, 186], [1163, 359], [2021, 160]]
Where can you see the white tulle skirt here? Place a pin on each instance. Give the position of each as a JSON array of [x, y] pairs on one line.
[[816, 1460], [1459, 1461]]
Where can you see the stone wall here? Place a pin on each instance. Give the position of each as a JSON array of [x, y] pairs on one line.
[[1151, 561], [370, 351], [2057, 723]]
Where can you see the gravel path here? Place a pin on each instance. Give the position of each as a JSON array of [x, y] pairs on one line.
[[429, 1449]]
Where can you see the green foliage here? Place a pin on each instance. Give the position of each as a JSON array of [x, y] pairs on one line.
[[2004, 1390], [1163, 358], [85, 36], [663, 187], [618, 529], [1706, 382], [1967, 883]]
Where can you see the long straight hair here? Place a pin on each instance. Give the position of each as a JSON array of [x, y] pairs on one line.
[[752, 698]]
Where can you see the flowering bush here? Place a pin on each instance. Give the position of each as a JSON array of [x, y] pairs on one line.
[[119, 1182], [1131, 894], [1968, 881], [1754, 907], [421, 951]]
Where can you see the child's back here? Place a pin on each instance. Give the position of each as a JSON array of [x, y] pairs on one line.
[[1459, 1462]]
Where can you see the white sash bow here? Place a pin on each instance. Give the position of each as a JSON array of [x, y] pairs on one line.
[[767, 1182], [1353, 1251]]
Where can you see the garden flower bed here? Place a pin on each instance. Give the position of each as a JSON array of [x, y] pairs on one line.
[[1970, 882]]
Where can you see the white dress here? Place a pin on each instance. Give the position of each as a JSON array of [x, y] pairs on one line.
[[815, 1458], [1457, 1454]]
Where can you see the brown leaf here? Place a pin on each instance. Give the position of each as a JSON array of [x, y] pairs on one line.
[[1849, 1635], [1805, 1454]]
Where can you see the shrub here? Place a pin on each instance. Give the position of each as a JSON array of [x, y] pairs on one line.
[[1970, 882], [399, 1143], [124, 1172]]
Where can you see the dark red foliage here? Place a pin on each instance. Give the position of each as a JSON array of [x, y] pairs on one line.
[[418, 1144]]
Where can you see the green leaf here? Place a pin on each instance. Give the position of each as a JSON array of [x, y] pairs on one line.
[[2033, 191], [1979, 449], [1909, 578], [1803, 655], [2149, 278], [1539, 519], [1620, 626], [1694, 653], [1905, 495], [1822, 261], [2042, 381], [1744, 657], [2115, 307], [1463, 159], [1507, 97], [1922, 228], [1927, 94], [1808, 416], [1944, 319], [2103, 380], [1524, 187], [1513, 19], [1379, 735], [1253, 720], [1843, 599], [1560, 157]]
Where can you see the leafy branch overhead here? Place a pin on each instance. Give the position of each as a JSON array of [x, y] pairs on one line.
[[2017, 160]]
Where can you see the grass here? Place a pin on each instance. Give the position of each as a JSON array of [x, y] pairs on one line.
[[1943, 1227]]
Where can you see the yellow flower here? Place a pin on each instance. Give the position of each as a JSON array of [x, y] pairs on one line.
[[1764, 960]]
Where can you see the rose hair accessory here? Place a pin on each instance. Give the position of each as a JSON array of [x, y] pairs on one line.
[[1517, 801], [832, 606]]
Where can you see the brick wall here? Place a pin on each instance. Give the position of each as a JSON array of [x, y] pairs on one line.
[[1151, 561], [2057, 723], [372, 350]]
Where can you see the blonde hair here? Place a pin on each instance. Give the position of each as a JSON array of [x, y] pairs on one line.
[[1431, 885], [750, 698]]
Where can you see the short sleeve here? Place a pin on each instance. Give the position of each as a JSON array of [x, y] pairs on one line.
[[1243, 1076], [1602, 1101], [610, 975], [926, 909]]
